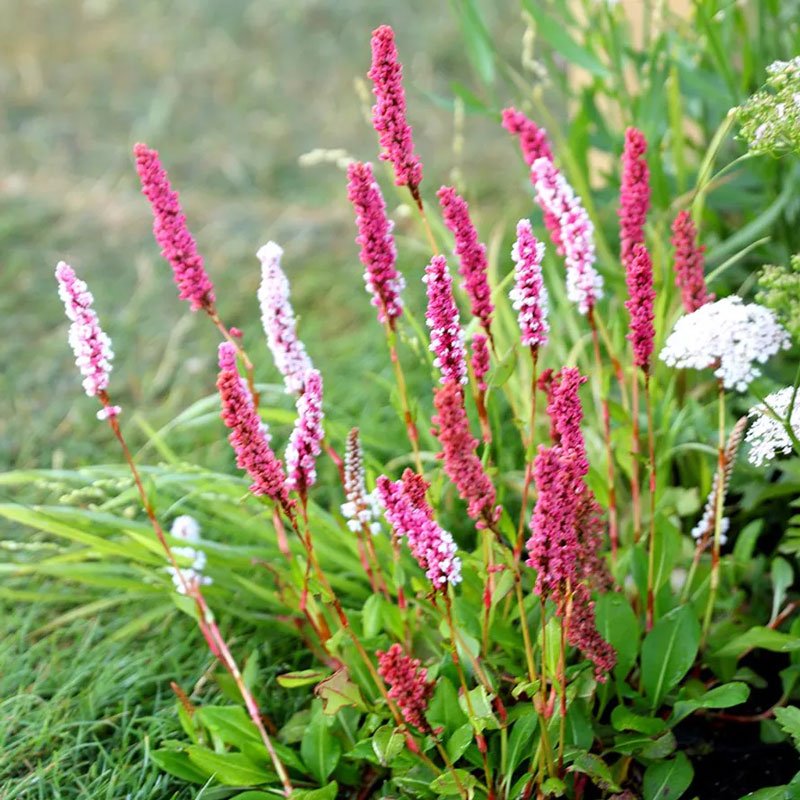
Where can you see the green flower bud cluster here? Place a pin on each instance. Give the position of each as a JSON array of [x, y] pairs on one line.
[[770, 120], [780, 290]]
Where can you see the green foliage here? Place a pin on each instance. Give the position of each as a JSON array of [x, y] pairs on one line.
[[779, 289]]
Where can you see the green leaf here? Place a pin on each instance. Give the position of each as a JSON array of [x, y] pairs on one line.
[[320, 749], [459, 742], [448, 783], [444, 710], [782, 578], [789, 719], [770, 793], [759, 636], [521, 739], [725, 696], [303, 677], [178, 764], [328, 792], [597, 769], [555, 34], [230, 723], [478, 41], [668, 780], [504, 370], [338, 691], [230, 769], [387, 743], [623, 719], [668, 652], [619, 626]]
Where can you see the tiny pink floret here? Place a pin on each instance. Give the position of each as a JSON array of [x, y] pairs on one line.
[[480, 360], [409, 685], [642, 295], [442, 317], [89, 343], [576, 233], [249, 436], [471, 254], [389, 112], [529, 295], [533, 140], [689, 263], [171, 233], [378, 252]]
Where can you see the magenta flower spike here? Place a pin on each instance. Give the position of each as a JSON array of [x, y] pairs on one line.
[[277, 318], [480, 360], [441, 316], [533, 140], [529, 295], [634, 196], [378, 252], [642, 295], [389, 111], [575, 233], [689, 263], [409, 684], [249, 436], [411, 517], [471, 255], [171, 233], [461, 463], [90, 344], [305, 442]]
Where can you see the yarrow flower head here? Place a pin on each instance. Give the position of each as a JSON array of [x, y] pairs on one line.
[[277, 318], [642, 295], [634, 197], [389, 111], [89, 343], [767, 436], [305, 442], [461, 463], [447, 337], [378, 252], [689, 263], [171, 233], [480, 360], [409, 684], [576, 233], [729, 336], [249, 436], [362, 509], [411, 517], [188, 529], [529, 295], [770, 119], [471, 254]]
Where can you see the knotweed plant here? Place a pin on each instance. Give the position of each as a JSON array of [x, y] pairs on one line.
[[477, 615]]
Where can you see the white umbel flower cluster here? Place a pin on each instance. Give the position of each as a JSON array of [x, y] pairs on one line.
[[188, 529], [768, 436], [731, 336]]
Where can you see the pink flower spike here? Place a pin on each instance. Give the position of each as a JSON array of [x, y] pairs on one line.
[[277, 318], [249, 436], [575, 233], [108, 411], [566, 413], [529, 295], [471, 254], [480, 360], [461, 463], [389, 111], [639, 277], [89, 343], [305, 443], [533, 140], [634, 195], [447, 338], [409, 685], [171, 233], [411, 517], [378, 252], [689, 263]]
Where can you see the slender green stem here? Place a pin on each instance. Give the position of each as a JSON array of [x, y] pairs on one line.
[[651, 463]]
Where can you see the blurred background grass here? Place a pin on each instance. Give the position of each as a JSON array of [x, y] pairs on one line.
[[231, 94]]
